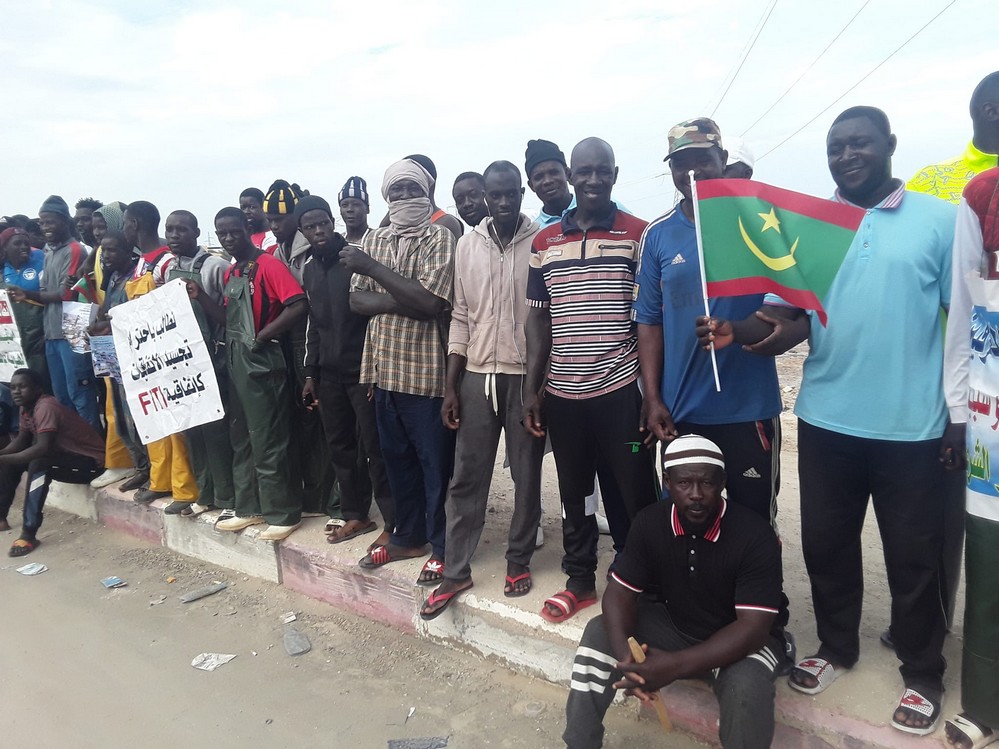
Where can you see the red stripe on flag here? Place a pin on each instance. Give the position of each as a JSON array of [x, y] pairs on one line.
[[802, 298], [820, 209]]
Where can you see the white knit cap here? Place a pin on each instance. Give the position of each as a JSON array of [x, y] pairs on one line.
[[692, 449]]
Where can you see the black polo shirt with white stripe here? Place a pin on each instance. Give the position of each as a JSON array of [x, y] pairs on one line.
[[703, 577]]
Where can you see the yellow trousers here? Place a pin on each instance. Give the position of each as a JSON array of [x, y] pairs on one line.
[[115, 454], [170, 468]]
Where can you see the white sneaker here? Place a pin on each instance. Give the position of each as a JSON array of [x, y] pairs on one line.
[[111, 476], [238, 523], [277, 532]]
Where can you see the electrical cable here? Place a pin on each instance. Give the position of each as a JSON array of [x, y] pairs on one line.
[[810, 66], [745, 56], [864, 78]]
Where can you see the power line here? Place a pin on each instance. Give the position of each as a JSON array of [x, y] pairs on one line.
[[745, 56], [811, 65], [868, 75]]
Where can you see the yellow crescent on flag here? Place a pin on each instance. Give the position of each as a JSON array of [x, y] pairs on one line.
[[773, 263]]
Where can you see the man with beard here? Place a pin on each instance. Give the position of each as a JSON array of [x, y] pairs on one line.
[[698, 586], [868, 404], [83, 220]]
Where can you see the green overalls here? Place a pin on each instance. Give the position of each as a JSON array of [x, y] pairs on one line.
[[209, 445], [258, 419]]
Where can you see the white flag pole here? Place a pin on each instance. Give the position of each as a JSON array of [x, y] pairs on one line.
[[704, 280]]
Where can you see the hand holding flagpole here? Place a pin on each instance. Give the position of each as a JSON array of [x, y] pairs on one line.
[[704, 281]]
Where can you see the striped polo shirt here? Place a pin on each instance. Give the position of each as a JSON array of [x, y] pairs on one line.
[[586, 278]]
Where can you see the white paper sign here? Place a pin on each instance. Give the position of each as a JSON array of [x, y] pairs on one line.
[[165, 367], [11, 353]]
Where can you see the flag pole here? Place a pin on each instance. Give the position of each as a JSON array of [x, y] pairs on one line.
[[704, 279]]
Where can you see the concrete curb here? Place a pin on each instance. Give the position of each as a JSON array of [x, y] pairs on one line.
[[485, 624]]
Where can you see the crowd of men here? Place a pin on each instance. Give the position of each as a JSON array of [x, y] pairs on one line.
[[383, 364]]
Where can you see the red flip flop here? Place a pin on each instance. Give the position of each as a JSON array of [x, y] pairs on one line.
[[433, 599], [568, 603], [511, 583]]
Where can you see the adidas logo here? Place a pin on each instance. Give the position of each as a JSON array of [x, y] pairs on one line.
[[677, 260], [751, 473]]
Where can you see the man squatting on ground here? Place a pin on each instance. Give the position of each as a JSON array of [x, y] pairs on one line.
[[53, 443], [698, 585]]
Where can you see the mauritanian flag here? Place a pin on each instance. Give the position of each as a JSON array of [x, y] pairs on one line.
[[757, 238]]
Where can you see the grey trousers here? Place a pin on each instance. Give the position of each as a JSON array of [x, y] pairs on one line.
[[474, 458], [745, 689]]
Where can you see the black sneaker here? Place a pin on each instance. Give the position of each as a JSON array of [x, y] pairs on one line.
[[176, 508], [136, 482], [147, 495]]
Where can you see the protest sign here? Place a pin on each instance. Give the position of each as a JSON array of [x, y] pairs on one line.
[[105, 358], [11, 353], [76, 318], [165, 366]]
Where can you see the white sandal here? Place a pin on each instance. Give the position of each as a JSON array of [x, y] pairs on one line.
[[333, 524], [819, 668], [973, 732], [916, 702]]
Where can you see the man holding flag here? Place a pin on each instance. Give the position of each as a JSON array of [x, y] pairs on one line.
[[871, 412], [679, 390], [678, 384]]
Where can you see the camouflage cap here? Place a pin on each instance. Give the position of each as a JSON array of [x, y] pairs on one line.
[[700, 132]]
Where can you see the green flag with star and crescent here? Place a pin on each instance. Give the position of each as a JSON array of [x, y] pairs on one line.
[[757, 238]]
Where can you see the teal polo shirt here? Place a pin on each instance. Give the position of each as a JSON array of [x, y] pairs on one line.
[[876, 370]]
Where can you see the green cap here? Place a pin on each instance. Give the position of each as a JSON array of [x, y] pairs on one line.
[[697, 133]]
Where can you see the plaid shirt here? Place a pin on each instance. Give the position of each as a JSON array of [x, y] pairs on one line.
[[402, 354]]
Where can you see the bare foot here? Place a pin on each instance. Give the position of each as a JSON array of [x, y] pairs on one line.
[[383, 538]]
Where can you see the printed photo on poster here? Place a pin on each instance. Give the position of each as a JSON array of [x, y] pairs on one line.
[[11, 353]]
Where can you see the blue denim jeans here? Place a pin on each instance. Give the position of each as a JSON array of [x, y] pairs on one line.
[[73, 381], [69, 468], [419, 453]]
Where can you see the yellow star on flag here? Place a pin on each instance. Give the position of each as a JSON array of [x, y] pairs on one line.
[[770, 221]]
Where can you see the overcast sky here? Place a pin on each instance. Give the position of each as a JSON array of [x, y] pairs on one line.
[[186, 103]]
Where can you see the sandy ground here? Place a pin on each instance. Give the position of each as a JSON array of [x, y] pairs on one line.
[[82, 666]]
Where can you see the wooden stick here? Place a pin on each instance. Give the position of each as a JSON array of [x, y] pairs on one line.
[[639, 655]]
